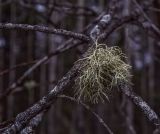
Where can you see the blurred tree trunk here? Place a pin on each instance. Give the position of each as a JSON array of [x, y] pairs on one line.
[[79, 110], [1, 64], [30, 51], [100, 108], [144, 94], [100, 111], [129, 106], [151, 53], [144, 88], [12, 61], [52, 76], [43, 43], [151, 92]]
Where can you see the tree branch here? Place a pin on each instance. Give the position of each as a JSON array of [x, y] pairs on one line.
[[150, 114], [32, 124], [23, 118], [44, 29], [64, 47], [154, 27]]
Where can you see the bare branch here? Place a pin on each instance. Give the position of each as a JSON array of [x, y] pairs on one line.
[[150, 114], [97, 30], [155, 28], [23, 118], [37, 119], [66, 46], [24, 64], [44, 29], [61, 49], [32, 124], [116, 24]]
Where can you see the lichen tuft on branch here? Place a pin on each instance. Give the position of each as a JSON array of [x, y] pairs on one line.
[[102, 69]]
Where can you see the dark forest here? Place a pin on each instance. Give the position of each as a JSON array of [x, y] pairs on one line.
[[79, 67]]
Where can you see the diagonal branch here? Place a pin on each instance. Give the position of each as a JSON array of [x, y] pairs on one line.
[[37, 119], [71, 43], [23, 118], [137, 100], [23, 64], [11, 88], [117, 24], [32, 124]]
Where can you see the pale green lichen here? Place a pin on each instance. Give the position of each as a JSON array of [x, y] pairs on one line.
[[102, 69]]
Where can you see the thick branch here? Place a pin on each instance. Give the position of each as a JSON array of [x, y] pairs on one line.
[[37, 119], [150, 114], [32, 124]]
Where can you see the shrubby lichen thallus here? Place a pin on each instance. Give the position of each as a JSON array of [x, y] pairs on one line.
[[102, 69]]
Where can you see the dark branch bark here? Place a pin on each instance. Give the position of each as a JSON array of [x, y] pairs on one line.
[[115, 24], [137, 100], [32, 124], [44, 29]]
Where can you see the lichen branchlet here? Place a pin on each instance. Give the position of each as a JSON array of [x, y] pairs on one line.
[[102, 69]]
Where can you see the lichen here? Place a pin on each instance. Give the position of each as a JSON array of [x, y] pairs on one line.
[[102, 69]]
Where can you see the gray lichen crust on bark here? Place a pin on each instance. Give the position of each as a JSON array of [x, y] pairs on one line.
[[97, 30], [44, 29], [150, 114]]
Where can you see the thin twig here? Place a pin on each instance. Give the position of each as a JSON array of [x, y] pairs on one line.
[[3, 72], [59, 50], [44, 17], [155, 28], [101, 121], [116, 24], [62, 6], [154, 9]]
